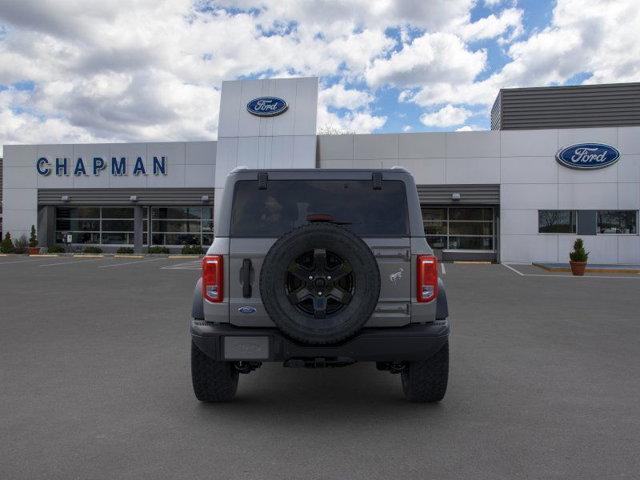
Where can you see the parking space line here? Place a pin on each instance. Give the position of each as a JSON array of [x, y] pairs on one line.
[[183, 266], [513, 269], [70, 263], [444, 270], [130, 263]]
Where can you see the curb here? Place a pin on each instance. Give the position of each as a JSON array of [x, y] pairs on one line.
[[88, 255], [184, 256], [588, 270], [472, 262], [127, 255]]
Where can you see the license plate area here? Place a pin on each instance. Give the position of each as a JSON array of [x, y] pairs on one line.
[[246, 348]]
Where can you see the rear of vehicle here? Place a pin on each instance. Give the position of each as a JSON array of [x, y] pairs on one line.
[[317, 268]]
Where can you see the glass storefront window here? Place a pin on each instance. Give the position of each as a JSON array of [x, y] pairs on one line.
[[95, 225], [181, 226], [618, 221], [556, 221], [470, 243], [459, 228], [115, 225], [483, 214]]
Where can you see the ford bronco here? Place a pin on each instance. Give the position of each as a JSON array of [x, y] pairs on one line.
[[320, 268]]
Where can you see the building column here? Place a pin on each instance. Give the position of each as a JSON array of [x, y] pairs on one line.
[[138, 229], [46, 229]]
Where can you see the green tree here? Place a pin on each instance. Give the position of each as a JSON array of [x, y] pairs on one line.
[[579, 254], [33, 238], [7, 244]]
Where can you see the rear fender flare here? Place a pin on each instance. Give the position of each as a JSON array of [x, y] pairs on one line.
[[197, 308], [442, 307]]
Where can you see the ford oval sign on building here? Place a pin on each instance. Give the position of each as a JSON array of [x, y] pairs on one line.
[[267, 106], [588, 156]]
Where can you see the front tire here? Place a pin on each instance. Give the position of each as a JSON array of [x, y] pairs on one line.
[[426, 381], [213, 381]]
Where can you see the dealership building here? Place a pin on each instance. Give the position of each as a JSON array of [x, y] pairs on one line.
[[559, 163]]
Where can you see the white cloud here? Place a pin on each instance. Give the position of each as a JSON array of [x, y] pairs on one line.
[[469, 128], [447, 116], [509, 20], [338, 96], [351, 122], [432, 57], [407, 128]]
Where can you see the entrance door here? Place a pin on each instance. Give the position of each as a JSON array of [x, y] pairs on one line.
[[465, 232]]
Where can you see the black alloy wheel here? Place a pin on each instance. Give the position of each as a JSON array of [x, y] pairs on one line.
[[320, 283]]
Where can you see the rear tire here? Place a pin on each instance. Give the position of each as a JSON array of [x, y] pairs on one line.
[[213, 381], [426, 381]]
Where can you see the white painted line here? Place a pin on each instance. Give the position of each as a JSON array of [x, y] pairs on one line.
[[514, 270], [71, 262], [183, 266], [444, 270], [129, 263]]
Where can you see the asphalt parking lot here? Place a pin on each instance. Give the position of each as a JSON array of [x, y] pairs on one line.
[[95, 383]]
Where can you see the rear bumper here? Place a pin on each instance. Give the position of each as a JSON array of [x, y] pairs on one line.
[[229, 343]]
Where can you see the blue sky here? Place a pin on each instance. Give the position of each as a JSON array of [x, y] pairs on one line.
[[77, 71]]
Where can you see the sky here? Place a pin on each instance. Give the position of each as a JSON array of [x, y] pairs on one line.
[[77, 71]]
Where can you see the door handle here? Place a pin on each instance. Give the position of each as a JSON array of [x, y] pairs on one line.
[[245, 277]]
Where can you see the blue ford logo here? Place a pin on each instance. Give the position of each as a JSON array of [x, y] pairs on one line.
[[267, 106], [247, 309], [588, 156]]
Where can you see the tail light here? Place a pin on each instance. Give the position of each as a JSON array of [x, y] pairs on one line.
[[427, 278], [212, 278]]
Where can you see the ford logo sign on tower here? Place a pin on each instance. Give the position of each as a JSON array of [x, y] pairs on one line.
[[267, 106], [588, 156]]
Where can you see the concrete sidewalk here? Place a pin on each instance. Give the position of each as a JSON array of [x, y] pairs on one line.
[[592, 268]]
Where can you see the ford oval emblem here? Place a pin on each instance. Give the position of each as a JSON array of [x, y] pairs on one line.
[[247, 309], [267, 106], [588, 156]]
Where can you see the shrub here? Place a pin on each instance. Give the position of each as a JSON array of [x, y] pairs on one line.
[[579, 254], [92, 249], [33, 238], [21, 244], [158, 249], [55, 249], [125, 250], [7, 244], [192, 250]]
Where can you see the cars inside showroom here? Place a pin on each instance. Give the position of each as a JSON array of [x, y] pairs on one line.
[[558, 163]]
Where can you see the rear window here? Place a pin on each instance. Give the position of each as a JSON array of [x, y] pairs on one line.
[[287, 204]]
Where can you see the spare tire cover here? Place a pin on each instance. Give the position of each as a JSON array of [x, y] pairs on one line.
[[320, 283]]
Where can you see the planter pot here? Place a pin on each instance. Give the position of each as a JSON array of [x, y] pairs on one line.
[[34, 250], [578, 268]]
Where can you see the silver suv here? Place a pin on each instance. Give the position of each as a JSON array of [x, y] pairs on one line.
[[319, 268]]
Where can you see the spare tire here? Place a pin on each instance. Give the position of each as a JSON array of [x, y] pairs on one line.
[[320, 283]]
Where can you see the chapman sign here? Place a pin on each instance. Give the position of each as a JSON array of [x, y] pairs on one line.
[[267, 106], [588, 156], [96, 165]]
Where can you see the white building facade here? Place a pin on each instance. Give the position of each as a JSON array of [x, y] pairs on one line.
[[500, 195]]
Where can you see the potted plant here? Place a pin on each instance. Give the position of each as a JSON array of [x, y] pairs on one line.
[[21, 245], [578, 258], [33, 242]]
